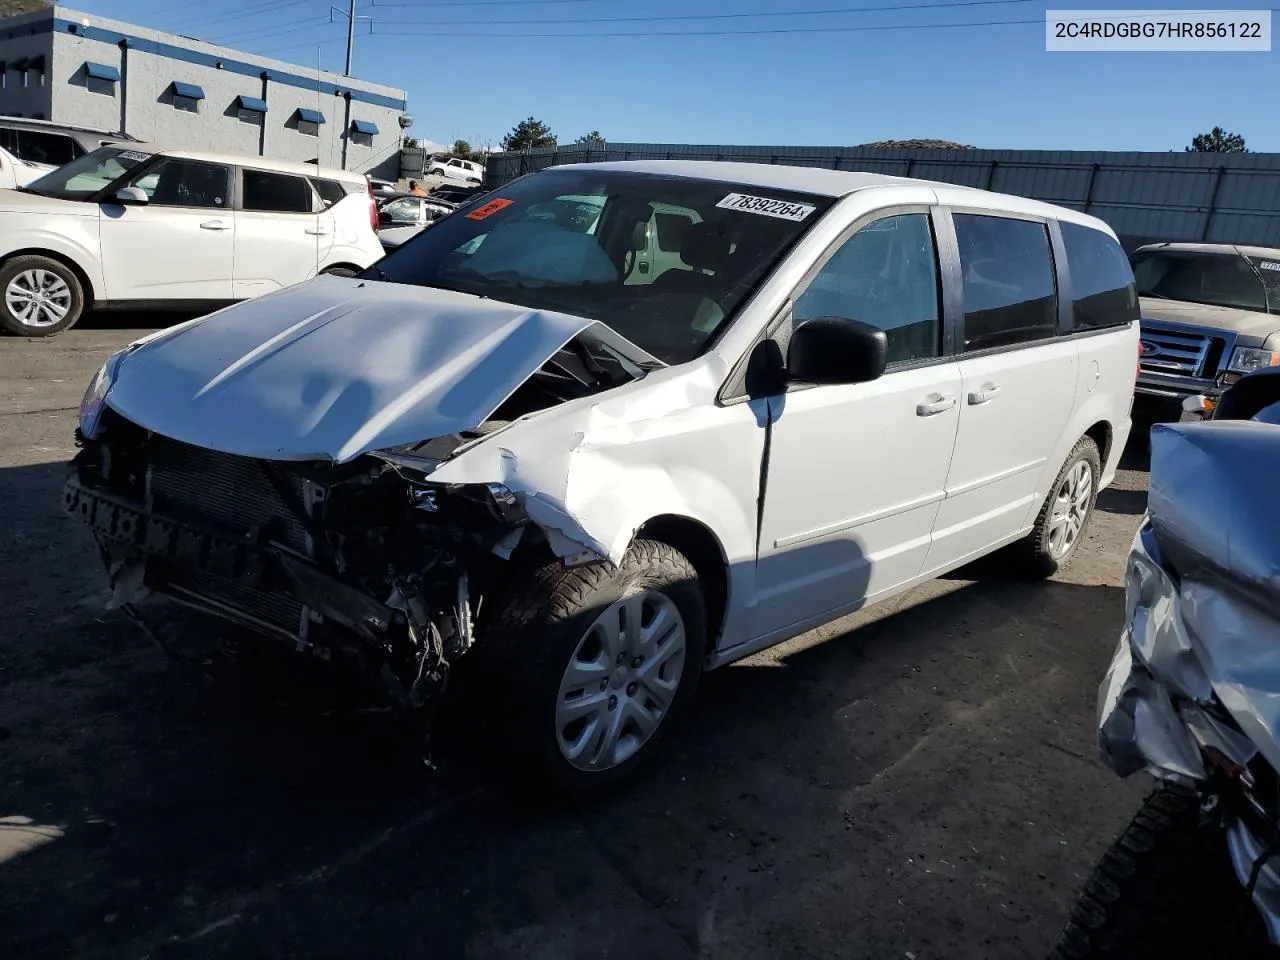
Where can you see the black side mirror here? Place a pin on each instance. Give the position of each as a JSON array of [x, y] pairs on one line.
[[836, 350]]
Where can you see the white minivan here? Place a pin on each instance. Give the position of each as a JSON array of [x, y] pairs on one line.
[[142, 227], [505, 446]]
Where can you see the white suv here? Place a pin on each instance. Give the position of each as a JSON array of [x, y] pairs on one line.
[[456, 169], [137, 226], [504, 442]]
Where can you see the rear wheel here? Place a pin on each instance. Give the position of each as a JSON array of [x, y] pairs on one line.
[[1065, 514], [596, 664], [39, 297]]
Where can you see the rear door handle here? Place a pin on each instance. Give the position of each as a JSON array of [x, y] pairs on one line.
[[317, 231], [215, 225], [934, 404], [986, 394]]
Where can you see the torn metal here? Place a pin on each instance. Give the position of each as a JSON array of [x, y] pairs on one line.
[[1193, 692], [366, 508]]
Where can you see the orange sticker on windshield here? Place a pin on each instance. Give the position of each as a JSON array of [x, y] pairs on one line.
[[489, 209]]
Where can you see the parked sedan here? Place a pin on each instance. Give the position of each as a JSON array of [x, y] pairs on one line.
[[406, 215], [139, 226]]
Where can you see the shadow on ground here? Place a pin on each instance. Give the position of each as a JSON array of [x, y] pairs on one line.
[[861, 792]]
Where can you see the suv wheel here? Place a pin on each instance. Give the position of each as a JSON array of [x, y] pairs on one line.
[[39, 297], [596, 664], [1066, 512]]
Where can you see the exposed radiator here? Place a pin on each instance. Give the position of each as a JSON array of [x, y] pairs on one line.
[[226, 490]]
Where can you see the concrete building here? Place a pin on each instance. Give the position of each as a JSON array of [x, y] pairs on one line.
[[69, 67]]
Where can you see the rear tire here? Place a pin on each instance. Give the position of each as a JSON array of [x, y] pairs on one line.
[[39, 297], [1165, 889], [1066, 512], [594, 666]]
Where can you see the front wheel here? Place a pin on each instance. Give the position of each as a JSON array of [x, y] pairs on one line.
[[40, 297], [338, 272], [1165, 889], [597, 663]]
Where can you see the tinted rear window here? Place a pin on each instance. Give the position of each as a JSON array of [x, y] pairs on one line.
[[1009, 291], [1101, 279]]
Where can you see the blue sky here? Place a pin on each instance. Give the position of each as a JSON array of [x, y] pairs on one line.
[[469, 75]]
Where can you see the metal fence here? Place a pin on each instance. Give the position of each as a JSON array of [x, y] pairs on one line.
[[1145, 197]]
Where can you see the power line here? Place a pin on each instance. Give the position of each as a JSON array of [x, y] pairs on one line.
[[202, 22], [826, 11], [721, 16], [477, 3], [717, 33], [241, 37]]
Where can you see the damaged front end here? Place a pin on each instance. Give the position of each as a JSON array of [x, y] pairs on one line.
[[1192, 695], [365, 559], [250, 469]]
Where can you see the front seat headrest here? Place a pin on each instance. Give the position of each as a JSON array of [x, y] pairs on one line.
[[705, 246]]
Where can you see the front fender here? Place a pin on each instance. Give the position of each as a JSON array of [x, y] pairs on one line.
[[75, 240]]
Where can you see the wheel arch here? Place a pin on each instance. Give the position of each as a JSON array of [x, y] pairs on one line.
[[703, 549], [1102, 435], [86, 284], [342, 265]]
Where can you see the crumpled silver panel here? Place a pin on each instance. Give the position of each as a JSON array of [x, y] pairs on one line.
[[1202, 595]]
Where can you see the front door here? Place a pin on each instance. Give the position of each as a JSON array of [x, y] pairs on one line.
[[1019, 386], [178, 246], [855, 473], [282, 232]]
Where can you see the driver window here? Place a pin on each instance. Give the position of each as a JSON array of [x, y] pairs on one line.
[[185, 183], [885, 275]]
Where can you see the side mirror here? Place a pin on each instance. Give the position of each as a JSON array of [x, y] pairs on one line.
[[836, 350], [132, 195], [384, 217]]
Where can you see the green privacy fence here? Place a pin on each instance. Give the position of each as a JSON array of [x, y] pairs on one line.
[[1145, 197]]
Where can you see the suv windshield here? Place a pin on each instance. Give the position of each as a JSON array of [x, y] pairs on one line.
[[1218, 279], [88, 175], [586, 242]]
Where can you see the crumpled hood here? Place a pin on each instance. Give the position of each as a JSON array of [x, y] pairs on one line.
[[336, 367], [1247, 323]]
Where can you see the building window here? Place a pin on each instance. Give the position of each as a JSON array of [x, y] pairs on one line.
[[309, 122], [101, 78], [363, 132], [251, 110], [187, 96]]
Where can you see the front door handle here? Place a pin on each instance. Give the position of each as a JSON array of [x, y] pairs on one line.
[[215, 225], [985, 394], [934, 404]]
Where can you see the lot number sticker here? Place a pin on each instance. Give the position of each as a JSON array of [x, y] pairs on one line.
[[1269, 265], [489, 209], [134, 155], [782, 209]]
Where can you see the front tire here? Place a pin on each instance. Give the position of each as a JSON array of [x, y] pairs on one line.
[[597, 664], [1065, 515], [39, 297], [1165, 889]]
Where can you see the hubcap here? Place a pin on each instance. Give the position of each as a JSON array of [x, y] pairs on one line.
[[621, 681], [1070, 509], [38, 298]]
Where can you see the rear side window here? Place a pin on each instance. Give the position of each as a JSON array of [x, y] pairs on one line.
[[672, 229], [35, 146], [277, 192], [331, 191], [1101, 279], [1009, 292]]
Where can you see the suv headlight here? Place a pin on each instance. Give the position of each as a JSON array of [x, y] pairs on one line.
[[95, 398], [1248, 359]]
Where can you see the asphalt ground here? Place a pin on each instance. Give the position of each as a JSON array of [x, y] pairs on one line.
[[918, 780]]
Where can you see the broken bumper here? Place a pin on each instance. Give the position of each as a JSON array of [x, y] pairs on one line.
[[168, 550]]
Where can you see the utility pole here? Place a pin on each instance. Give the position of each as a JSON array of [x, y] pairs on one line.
[[351, 29]]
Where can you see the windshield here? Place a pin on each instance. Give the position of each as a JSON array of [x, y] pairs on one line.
[[664, 261], [1217, 279], [88, 175]]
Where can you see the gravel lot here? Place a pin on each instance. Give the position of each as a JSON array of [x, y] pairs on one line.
[[924, 785]]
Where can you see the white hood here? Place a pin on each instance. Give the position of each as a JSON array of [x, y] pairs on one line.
[[336, 367], [1246, 323]]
